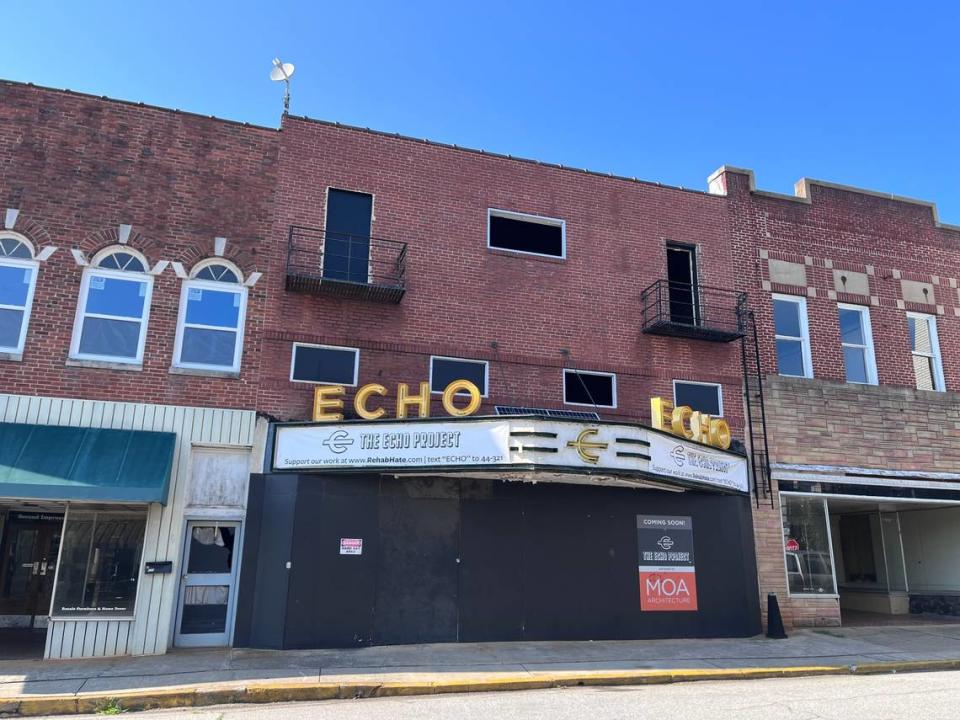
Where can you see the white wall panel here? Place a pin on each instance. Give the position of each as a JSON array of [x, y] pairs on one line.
[[931, 547], [151, 629]]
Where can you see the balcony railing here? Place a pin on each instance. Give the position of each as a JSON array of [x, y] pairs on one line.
[[344, 265], [693, 311]]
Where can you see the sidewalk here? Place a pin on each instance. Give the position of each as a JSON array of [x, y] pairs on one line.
[[204, 677]]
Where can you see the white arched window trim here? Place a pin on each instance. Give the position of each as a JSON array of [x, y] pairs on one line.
[[111, 250], [18, 281], [216, 261], [212, 316], [112, 311]]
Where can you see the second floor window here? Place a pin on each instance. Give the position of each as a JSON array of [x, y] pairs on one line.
[[925, 348], [589, 388], [18, 277], [857, 341], [445, 370], [792, 335], [701, 396], [111, 322], [213, 307], [529, 234], [324, 364]]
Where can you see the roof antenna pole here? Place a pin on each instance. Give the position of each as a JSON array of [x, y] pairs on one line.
[[283, 71]]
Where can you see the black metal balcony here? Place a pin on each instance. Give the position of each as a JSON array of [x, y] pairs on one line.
[[693, 311], [347, 266]]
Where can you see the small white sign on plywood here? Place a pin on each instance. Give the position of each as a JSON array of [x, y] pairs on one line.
[[351, 546], [697, 463]]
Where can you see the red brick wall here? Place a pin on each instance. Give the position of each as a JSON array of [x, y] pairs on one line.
[[824, 420], [77, 167], [844, 229], [463, 300]]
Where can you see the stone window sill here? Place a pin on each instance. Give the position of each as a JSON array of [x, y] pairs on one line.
[[525, 255], [232, 374], [12, 357], [104, 365]]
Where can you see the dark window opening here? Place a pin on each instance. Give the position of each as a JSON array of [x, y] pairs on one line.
[[584, 388], [346, 248], [682, 278], [444, 371], [528, 236], [336, 366], [700, 397]]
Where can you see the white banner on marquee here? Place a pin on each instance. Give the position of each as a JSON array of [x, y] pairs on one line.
[[695, 462], [393, 445]]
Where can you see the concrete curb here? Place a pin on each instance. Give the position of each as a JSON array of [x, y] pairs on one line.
[[292, 691]]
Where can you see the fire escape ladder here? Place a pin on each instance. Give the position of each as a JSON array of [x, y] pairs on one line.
[[758, 446]]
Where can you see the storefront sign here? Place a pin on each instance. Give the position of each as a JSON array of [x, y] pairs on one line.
[[328, 401], [35, 517], [697, 463], [684, 422], [623, 454], [393, 445], [668, 579], [351, 546]]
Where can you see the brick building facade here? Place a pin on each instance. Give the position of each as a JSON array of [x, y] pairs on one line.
[[528, 316], [82, 175], [396, 259], [131, 242], [188, 281], [863, 415]]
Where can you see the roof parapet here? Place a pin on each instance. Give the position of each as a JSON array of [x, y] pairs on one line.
[[729, 180]]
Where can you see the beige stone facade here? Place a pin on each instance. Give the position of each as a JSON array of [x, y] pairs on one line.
[[834, 424]]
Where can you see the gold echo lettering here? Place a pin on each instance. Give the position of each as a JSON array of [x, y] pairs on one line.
[[685, 422], [328, 401]]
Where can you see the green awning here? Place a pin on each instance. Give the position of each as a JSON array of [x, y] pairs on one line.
[[72, 463]]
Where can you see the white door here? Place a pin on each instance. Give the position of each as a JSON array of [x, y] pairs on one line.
[[208, 584]]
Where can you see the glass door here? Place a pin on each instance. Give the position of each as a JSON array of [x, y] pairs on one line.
[[28, 558], [207, 584], [893, 551]]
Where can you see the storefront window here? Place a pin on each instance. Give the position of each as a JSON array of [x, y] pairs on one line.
[[99, 564], [806, 542]]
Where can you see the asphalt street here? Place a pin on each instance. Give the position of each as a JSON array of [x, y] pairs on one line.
[[923, 696]]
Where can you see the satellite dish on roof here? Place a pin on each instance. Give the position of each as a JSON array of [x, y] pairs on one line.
[[283, 72]]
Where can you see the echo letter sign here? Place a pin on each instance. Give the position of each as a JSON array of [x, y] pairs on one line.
[[668, 579]]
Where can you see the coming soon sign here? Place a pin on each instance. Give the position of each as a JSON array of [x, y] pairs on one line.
[[668, 579]]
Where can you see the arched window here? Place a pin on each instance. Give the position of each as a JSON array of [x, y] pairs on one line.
[[122, 260], [18, 278], [111, 322], [213, 307]]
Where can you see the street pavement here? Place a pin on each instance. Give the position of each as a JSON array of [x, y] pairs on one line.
[[451, 661], [921, 696]]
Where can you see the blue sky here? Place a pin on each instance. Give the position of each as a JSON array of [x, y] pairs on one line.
[[861, 93]]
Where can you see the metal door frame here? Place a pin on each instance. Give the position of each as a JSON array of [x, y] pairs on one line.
[[373, 215], [53, 565], [209, 639], [691, 251]]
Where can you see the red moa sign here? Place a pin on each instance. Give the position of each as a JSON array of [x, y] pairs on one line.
[[668, 590], [668, 575]]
